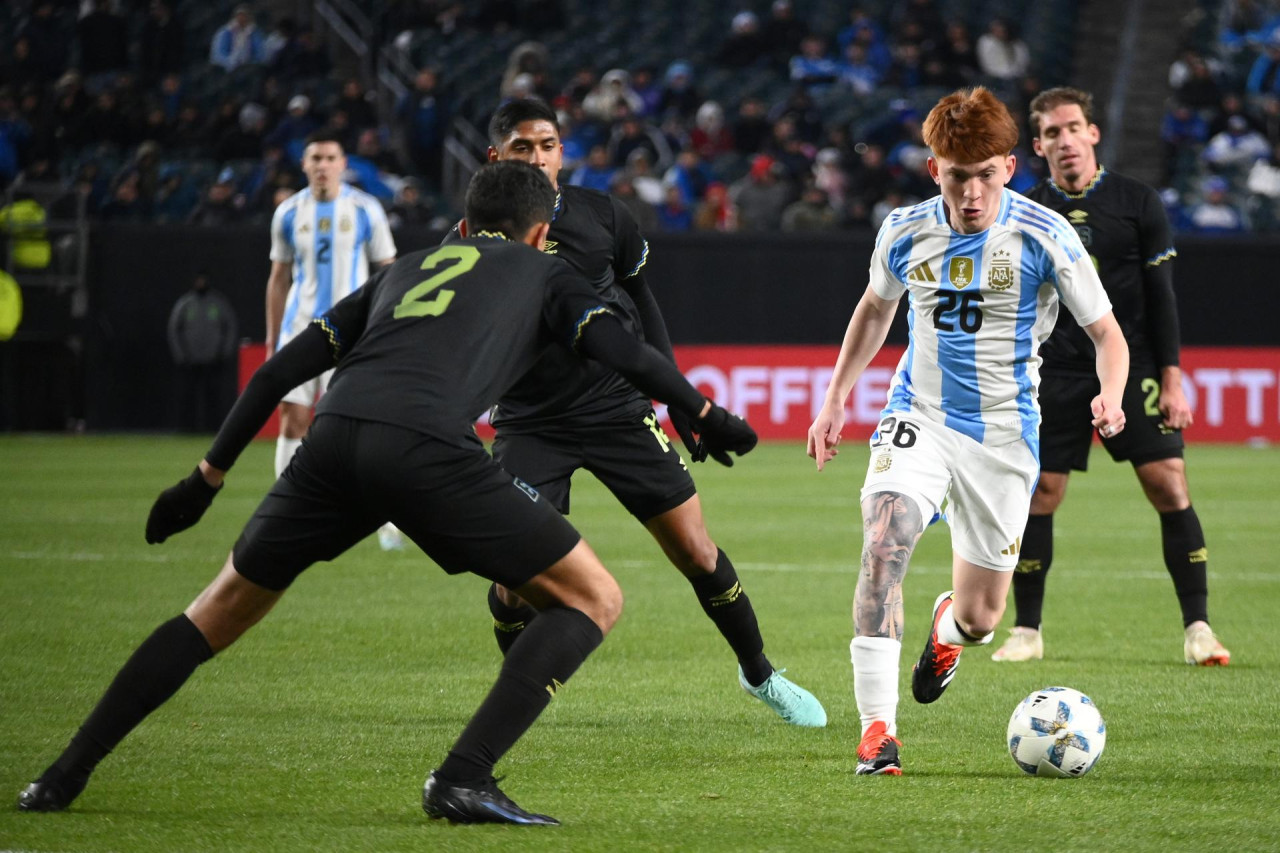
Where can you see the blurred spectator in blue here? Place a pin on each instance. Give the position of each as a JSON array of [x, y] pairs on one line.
[[679, 94], [752, 127], [160, 51], [295, 126], [813, 67], [710, 137], [103, 39], [1237, 147], [126, 203], [1199, 89], [244, 141], [674, 214], [175, 197], [1001, 54], [1174, 209], [613, 94], [1215, 214], [15, 133], [596, 173], [907, 71], [1240, 20], [218, 207], [170, 94], [1182, 132], [644, 80], [237, 42], [371, 168], [761, 195], [410, 207], [1264, 75], [861, 28], [857, 72], [811, 212], [745, 45], [957, 52], [48, 36], [423, 114], [783, 32], [689, 174]]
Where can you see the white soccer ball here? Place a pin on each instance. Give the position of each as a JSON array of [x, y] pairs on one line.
[[1057, 732]]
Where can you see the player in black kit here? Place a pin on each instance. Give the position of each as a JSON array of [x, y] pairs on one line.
[[1123, 226], [421, 350], [567, 414]]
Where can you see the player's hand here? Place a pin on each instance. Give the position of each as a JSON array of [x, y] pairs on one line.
[[824, 436], [722, 432], [179, 507], [683, 425], [1108, 417], [1173, 406]]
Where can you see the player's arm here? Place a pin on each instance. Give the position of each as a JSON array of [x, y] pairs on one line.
[[1156, 246], [868, 328], [277, 290], [1112, 365]]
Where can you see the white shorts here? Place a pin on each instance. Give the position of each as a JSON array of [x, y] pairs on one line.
[[309, 392], [987, 489]]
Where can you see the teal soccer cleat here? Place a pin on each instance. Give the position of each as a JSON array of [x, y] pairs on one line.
[[788, 700]]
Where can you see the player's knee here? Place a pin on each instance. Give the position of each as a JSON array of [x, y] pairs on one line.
[[1165, 485], [604, 605], [697, 555]]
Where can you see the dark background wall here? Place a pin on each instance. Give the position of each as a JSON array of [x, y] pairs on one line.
[[753, 289]]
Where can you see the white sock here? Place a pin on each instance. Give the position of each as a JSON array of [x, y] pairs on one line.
[[285, 448], [875, 680], [949, 632]]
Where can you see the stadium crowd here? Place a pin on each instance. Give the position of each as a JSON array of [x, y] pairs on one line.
[[122, 102]]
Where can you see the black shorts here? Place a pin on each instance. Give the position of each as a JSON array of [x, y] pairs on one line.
[[637, 462], [1066, 431], [351, 476]]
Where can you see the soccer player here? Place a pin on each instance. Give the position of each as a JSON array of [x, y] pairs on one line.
[[323, 241], [1122, 225], [567, 414], [984, 270], [421, 351]]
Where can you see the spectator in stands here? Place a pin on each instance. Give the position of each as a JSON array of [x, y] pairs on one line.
[[584, 79], [861, 25], [203, 338], [783, 32], [358, 104], [709, 137], [125, 204], [530, 58], [1216, 214], [596, 173], [1182, 132], [104, 41], [1269, 119], [1232, 105], [689, 174], [187, 132], [21, 69], [295, 126], [175, 199], [793, 154], [857, 72], [1180, 68], [813, 67], [104, 122], [644, 80], [632, 134], [1264, 176], [921, 17], [612, 94], [958, 53], [870, 181], [410, 206], [716, 212], [674, 215], [644, 214], [830, 176], [160, 51], [218, 207], [907, 71], [679, 95], [1001, 54], [639, 172], [811, 212], [1264, 75], [48, 37], [745, 45], [1237, 147], [310, 62], [1199, 90], [280, 44], [237, 42], [70, 104], [245, 140], [579, 133], [752, 127], [762, 195], [800, 108]]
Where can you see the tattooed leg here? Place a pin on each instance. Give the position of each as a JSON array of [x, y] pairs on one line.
[[891, 527]]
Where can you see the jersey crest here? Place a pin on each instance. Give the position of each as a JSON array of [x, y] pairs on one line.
[[1000, 271], [960, 271]]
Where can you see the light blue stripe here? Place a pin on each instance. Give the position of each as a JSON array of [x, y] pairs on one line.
[[900, 399], [899, 256], [1061, 230], [1035, 262], [957, 349], [324, 259], [1072, 247], [1006, 203], [364, 232]]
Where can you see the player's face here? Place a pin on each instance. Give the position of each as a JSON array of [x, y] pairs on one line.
[[972, 191], [536, 143], [323, 163], [1067, 142]]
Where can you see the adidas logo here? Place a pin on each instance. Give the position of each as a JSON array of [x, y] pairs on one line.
[[922, 273], [1013, 548]]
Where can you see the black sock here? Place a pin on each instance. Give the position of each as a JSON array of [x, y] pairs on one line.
[[508, 621], [1033, 567], [723, 600], [1187, 560], [158, 667], [548, 652]]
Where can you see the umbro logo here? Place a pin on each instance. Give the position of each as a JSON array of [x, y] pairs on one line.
[[554, 687], [549, 246], [1077, 217], [729, 596], [922, 273]]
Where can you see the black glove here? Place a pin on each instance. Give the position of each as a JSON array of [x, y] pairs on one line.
[[683, 425], [722, 432], [179, 507]]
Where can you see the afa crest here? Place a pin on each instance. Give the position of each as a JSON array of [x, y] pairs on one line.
[[1000, 272], [344, 224], [960, 271], [325, 225], [883, 463]]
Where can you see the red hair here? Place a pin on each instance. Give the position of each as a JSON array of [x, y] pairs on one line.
[[969, 126]]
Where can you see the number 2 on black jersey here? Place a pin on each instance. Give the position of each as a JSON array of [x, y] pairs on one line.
[[415, 303]]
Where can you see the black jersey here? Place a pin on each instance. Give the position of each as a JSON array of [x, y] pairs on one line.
[[596, 235], [433, 340], [1123, 226]]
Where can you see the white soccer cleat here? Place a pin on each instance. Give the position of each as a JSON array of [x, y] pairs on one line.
[[1202, 648], [1023, 644], [390, 538]]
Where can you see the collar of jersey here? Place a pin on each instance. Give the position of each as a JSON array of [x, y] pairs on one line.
[[492, 235], [1097, 179], [555, 211]]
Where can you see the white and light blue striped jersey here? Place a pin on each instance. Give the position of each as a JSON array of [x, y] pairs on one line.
[[330, 245], [980, 305]]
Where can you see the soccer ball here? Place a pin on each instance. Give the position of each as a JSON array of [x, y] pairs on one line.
[[1056, 732]]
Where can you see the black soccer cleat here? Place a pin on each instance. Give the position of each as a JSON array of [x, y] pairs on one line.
[[481, 803], [50, 795], [937, 665]]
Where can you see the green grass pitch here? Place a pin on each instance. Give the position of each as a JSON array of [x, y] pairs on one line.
[[315, 731]]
